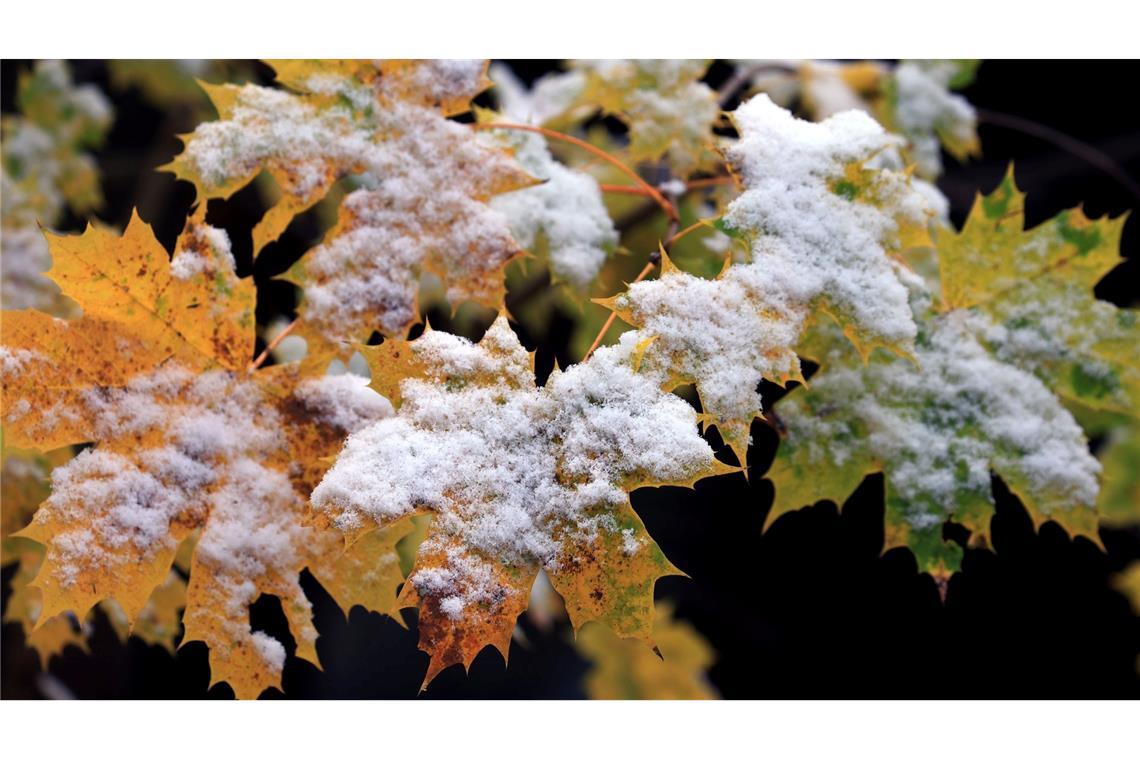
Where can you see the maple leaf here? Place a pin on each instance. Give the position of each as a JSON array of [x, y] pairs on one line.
[[48, 636], [1128, 583], [368, 572], [516, 478], [45, 170], [159, 621], [827, 87], [935, 428], [917, 102], [1120, 488], [155, 373], [23, 486], [25, 483], [625, 669], [825, 230], [668, 110], [824, 226], [564, 218], [422, 206], [720, 334], [1036, 286], [914, 99]]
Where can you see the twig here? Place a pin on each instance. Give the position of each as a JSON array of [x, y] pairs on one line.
[[272, 345], [622, 189], [649, 189], [671, 236], [1067, 143], [674, 238], [653, 261]]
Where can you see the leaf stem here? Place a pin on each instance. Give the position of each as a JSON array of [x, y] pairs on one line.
[[622, 189], [683, 233], [253, 365], [654, 259], [648, 189], [613, 314]]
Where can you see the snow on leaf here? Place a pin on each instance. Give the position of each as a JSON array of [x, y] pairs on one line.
[[625, 669], [722, 334], [935, 430], [183, 444], [566, 211], [825, 228], [1036, 286], [918, 104], [518, 478], [425, 184], [668, 110]]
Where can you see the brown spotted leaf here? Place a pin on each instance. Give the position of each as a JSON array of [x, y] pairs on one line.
[[187, 441], [517, 478]]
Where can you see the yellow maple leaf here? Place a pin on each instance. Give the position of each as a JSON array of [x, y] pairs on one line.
[[49, 636], [625, 669], [517, 478], [668, 109], [187, 439], [422, 206]]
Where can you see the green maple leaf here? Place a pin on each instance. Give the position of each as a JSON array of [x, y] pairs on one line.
[[1036, 286]]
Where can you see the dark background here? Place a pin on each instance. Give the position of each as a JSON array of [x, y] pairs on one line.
[[808, 609]]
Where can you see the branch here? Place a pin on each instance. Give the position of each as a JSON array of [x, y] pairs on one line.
[[653, 261], [253, 365], [648, 189], [671, 236], [622, 189], [1067, 143]]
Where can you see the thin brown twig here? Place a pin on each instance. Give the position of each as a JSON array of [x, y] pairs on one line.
[[1067, 143], [671, 236], [613, 314], [691, 228], [622, 189], [650, 190], [253, 365]]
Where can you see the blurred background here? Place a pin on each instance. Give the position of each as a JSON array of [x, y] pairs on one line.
[[808, 608]]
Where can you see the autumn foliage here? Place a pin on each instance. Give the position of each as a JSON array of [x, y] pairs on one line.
[[163, 464]]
